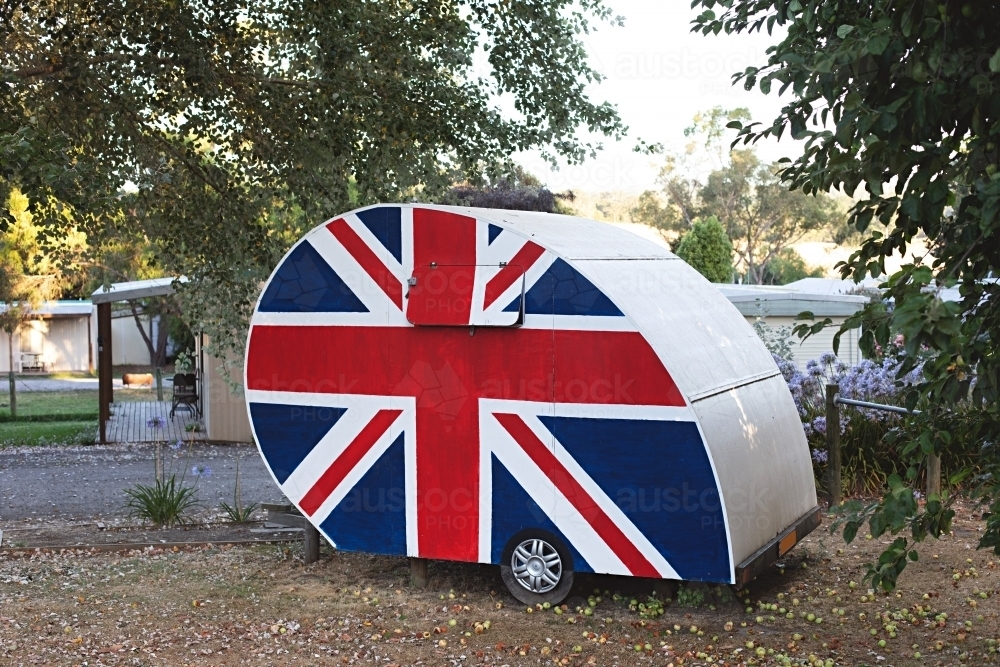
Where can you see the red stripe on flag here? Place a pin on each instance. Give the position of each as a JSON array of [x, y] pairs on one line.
[[368, 260], [516, 267], [598, 367], [348, 459], [550, 466]]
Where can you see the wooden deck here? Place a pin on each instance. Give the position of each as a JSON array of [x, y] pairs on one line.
[[131, 422]]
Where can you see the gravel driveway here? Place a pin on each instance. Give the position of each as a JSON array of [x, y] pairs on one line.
[[87, 483]]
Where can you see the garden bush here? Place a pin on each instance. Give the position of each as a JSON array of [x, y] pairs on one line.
[[869, 453]]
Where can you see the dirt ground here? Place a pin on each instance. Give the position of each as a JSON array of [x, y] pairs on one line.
[[261, 605]]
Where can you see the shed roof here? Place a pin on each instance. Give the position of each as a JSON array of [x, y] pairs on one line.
[[785, 301], [62, 308], [832, 285], [136, 289]]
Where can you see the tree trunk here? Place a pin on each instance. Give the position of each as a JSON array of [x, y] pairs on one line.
[[161, 340], [13, 393], [145, 337]]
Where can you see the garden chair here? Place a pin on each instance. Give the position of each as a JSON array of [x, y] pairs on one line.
[[185, 393]]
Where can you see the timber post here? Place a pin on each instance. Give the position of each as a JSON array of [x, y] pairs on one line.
[[418, 572], [833, 444], [105, 393]]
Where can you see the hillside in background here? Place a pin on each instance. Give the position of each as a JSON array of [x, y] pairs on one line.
[[817, 249]]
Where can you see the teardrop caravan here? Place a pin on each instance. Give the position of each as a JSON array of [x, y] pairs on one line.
[[541, 392]]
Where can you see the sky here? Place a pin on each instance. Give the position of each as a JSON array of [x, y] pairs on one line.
[[659, 75]]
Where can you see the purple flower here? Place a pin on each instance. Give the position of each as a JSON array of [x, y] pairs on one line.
[[201, 471], [827, 358], [820, 455], [156, 422], [819, 425], [176, 445], [807, 428]]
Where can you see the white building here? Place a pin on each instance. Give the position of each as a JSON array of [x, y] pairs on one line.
[[779, 305], [62, 336], [58, 336]]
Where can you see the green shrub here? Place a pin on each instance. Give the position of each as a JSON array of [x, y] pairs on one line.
[[708, 250]]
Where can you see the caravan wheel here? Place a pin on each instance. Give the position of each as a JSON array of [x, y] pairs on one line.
[[536, 568]]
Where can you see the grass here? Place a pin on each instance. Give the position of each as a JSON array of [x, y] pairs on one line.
[[70, 404], [56, 417], [31, 434]]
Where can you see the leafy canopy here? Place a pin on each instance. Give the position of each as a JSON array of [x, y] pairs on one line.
[[28, 276], [189, 123], [902, 100]]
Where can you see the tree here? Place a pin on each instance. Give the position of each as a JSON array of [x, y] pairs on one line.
[[903, 100], [516, 190], [190, 121], [663, 217], [787, 267], [760, 214], [26, 278], [707, 248], [683, 171]]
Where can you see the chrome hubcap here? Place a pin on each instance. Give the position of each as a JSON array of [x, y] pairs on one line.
[[536, 566]]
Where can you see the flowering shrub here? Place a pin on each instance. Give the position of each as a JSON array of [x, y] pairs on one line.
[[867, 457]]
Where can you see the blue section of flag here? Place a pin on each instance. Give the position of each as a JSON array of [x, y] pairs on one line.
[[386, 223], [494, 233], [514, 511], [660, 476], [563, 291], [287, 433], [305, 283], [372, 516]]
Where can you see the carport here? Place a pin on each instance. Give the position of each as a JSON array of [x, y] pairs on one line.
[[128, 422]]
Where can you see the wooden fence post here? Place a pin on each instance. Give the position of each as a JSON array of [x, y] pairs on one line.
[[833, 445], [933, 475]]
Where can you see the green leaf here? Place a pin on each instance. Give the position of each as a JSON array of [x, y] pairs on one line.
[[877, 44], [994, 62], [844, 30]]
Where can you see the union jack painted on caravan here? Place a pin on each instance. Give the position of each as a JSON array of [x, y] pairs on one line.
[[426, 383]]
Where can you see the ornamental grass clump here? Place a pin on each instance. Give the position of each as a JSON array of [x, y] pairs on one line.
[[164, 503], [168, 500]]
